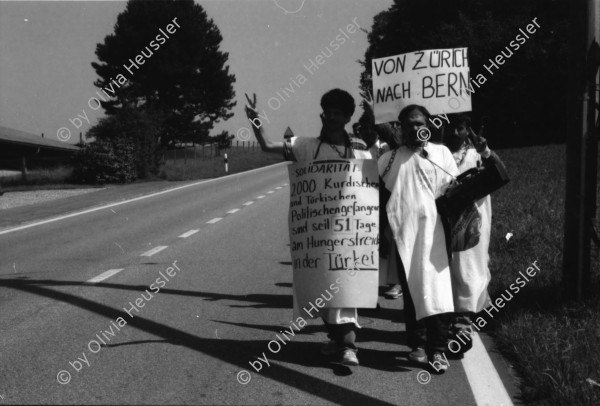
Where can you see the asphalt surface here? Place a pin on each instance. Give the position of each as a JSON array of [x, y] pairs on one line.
[[226, 297]]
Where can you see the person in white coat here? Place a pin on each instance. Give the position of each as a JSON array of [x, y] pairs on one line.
[[469, 265], [415, 174]]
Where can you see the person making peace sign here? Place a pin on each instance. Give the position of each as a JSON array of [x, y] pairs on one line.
[[332, 143]]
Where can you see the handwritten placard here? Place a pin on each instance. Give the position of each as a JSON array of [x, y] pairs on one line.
[[334, 228], [437, 79]]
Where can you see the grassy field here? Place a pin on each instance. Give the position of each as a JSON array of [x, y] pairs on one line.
[[554, 346], [175, 168], [54, 178], [211, 167]]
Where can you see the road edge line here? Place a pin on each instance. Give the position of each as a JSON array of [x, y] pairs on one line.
[[106, 206], [485, 382]]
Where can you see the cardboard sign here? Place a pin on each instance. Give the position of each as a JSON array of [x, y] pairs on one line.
[[437, 79], [334, 232]]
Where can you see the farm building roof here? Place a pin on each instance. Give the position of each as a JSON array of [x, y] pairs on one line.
[[12, 136]]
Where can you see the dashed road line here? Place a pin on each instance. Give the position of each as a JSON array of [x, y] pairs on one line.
[[107, 206], [157, 249], [192, 232], [104, 275], [154, 251], [216, 219], [188, 233]]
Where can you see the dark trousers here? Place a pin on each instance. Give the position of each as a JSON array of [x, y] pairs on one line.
[[343, 334], [430, 332]]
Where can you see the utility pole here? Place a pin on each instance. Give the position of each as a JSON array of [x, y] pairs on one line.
[[582, 147]]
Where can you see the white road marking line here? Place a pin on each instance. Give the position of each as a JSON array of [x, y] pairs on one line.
[[154, 250], [215, 220], [188, 233], [486, 385], [248, 203], [233, 211], [106, 206], [278, 187], [104, 275], [270, 191], [260, 197]]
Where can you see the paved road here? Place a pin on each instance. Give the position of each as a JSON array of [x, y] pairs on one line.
[[224, 294]]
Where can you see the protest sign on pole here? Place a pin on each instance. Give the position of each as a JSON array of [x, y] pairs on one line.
[[437, 79], [334, 228]]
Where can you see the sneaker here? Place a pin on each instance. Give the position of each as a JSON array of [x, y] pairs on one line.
[[418, 355], [330, 348], [438, 363], [347, 357], [394, 293]]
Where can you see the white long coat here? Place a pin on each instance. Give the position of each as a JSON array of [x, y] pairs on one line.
[[415, 183], [469, 269]]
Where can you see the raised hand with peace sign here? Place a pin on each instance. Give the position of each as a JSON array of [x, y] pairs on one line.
[[479, 142], [251, 106], [258, 127]]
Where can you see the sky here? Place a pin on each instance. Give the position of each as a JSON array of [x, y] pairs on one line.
[[46, 50]]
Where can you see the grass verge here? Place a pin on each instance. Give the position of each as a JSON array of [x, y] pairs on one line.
[[554, 345], [41, 179], [213, 167]]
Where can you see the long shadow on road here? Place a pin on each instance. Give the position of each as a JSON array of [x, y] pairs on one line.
[[365, 334], [229, 351], [263, 301]]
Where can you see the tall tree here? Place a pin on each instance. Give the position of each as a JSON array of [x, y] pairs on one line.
[[164, 55], [524, 100]]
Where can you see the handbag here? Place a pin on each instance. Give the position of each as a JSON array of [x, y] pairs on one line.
[[460, 217], [465, 230]]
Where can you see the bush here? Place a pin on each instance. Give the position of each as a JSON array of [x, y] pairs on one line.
[[126, 148], [106, 161]]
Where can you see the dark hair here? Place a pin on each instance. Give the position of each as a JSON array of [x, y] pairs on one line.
[[355, 126], [457, 119], [405, 112], [338, 99], [453, 142]]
